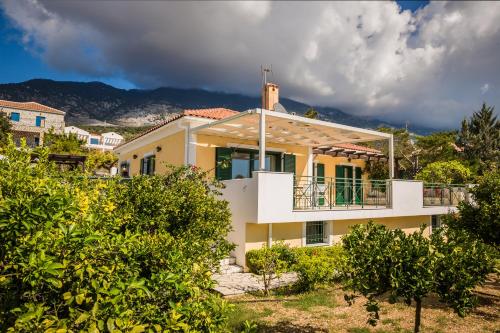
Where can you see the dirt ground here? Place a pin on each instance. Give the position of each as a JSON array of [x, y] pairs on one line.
[[325, 310]]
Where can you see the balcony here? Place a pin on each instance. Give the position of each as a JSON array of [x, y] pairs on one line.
[[445, 194], [279, 197], [311, 193]]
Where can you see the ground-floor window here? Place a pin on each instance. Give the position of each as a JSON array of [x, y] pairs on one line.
[[435, 222], [315, 232], [148, 165]]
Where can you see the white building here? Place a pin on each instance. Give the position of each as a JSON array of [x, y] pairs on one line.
[[103, 142]]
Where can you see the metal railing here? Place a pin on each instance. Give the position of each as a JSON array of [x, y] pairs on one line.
[[311, 193], [445, 194]]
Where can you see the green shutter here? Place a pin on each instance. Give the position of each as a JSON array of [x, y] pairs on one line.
[[142, 166], [358, 195], [223, 168], [289, 163], [320, 173], [152, 160]]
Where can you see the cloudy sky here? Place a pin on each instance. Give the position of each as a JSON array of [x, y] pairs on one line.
[[430, 66]]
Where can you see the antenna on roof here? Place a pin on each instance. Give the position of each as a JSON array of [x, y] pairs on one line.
[[264, 71]]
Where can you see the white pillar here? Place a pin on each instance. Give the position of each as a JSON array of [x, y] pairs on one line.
[[391, 157], [270, 235], [262, 140], [310, 162]]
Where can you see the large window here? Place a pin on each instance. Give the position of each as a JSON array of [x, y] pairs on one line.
[[15, 116], [315, 232], [148, 165], [233, 163]]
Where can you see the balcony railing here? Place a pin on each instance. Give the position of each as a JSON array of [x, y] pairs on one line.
[[445, 194], [339, 193]]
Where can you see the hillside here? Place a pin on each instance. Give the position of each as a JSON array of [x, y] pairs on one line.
[[95, 103]]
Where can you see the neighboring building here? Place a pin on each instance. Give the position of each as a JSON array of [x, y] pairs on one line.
[[103, 142], [32, 120], [287, 177]]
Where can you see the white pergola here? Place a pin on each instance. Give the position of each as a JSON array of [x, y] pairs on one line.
[[271, 126]]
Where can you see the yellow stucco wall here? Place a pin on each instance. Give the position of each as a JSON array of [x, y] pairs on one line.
[[407, 223], [206, 144], [330, 162], [290, 233], [172, 152]]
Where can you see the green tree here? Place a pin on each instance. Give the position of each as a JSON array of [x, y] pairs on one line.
[[5, 128], [410, 267], [481, 217], [451, 172], [64, 143], [311, 113], [81, 254], [97, 160], [437, 147], [480, 139]]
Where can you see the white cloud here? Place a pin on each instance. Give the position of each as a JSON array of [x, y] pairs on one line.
[[485, 88], [367, 58]]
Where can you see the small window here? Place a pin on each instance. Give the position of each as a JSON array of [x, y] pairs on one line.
[[15, 116], [40, 121], [148, 165], [436, 222], [36, 141], [315, 232], [94, 141]]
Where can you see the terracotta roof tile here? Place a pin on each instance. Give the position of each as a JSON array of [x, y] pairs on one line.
[[357, 147], [31, 106], [214, 113]]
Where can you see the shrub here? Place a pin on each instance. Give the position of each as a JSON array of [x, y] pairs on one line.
[[318, 265], [90, 255], [269, 262], [445, 172]]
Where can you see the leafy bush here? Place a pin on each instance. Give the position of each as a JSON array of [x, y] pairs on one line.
[[452, 172], [318, 265], [79, 254], [269, 262]]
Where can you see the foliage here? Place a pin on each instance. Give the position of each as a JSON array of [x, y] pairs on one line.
[[5, 128], [377, 170], [64, 143], [97, 159], [311, 113], [318, 265], [410, 267], [269, 262], [452, 172], [89, 255], [437, 147], [481, 218], [480, 139]]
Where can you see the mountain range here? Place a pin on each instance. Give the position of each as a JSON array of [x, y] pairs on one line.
[[96, 103]]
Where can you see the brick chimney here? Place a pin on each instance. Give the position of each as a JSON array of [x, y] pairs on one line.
[[270, 96]]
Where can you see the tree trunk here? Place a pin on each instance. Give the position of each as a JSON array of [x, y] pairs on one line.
[[418, 311]]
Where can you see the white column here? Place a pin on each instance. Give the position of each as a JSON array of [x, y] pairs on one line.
[[391, 157], [262, 140], [310, 162], [270, 235]]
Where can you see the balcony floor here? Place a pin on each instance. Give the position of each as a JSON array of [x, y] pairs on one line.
[[350, 207]]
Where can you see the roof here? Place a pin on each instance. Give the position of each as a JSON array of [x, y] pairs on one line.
[[222, 113], [356, 147], [30, 106]]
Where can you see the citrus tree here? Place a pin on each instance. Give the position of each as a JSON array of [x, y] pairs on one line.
[[411, 267], [91, 255], [450, 172]]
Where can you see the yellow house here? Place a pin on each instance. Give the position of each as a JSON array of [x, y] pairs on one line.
[[286, 177]]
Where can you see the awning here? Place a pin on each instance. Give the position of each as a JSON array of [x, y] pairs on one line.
[[288, 129]]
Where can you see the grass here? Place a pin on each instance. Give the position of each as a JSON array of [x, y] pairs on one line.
[[324, 310]]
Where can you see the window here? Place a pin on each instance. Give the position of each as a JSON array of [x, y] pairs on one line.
[[315, 232], [240, 163], [15, 116], [125, 169], [148, 165], [94, 141], [435, 222], [36, 141], [40, 121]]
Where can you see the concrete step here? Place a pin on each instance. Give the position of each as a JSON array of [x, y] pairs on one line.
[[228, 261], [231, 269]]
